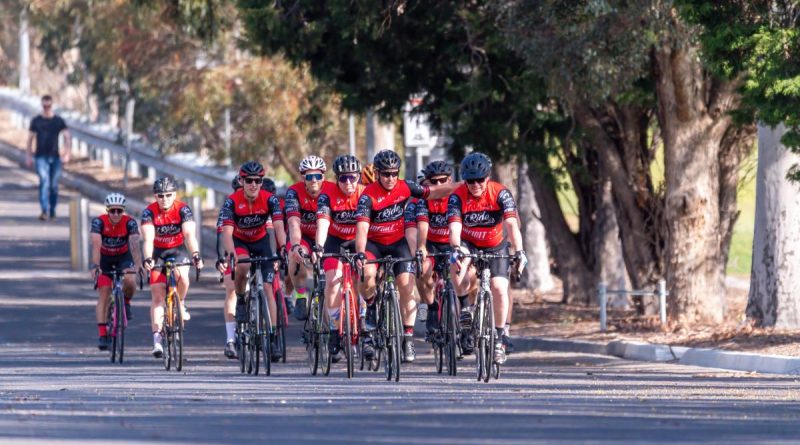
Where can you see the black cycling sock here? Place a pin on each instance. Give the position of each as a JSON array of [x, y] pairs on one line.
[[462, 300], [433, 307], [239, 297], [408, 330], [499, 332]]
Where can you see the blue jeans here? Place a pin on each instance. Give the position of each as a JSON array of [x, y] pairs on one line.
[[49, 171]]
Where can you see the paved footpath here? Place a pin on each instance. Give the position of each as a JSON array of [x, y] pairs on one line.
[[55, 387]]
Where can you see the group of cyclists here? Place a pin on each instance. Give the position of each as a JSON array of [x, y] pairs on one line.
[[367, 209]]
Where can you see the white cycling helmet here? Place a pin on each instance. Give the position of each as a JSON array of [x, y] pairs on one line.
[[115, 200], [312, 162]]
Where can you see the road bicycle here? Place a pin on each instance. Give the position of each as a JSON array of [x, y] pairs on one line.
[[173, 323], [446, 348], [349, 310], [116, 317]]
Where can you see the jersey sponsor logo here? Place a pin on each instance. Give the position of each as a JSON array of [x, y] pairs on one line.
[[345, 217], [308, 217], [476, 234], [390, 213], [249, 221], [347, 230], [113, 242], [438, 220], [168, 229], [479, 219], [242, 205], [390, 228]]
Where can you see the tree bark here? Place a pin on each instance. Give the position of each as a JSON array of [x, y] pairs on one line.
[[572, 267], [610, 263], [775, 277], [537, 275]]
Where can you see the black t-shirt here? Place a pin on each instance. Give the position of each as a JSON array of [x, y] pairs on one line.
[[47, 131]]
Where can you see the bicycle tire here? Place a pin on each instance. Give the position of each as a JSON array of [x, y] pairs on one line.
[[312, 347], [264, 333], [241, 347], [324, 344], [452, 334], [494, 367], [119, 338], [489, 337], [393, 335], [347, 339], [480, 343], [177, 337], [280, 329], [110, 314], [167, 341]]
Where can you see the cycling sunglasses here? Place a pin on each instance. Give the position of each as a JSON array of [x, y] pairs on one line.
[[314, 177], [476, 181], [348, 178], [253, 180], [437, 181], [164, 195], [390, 174], [115, 211]]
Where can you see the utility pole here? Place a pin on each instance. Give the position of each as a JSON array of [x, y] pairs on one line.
[[24, 53]]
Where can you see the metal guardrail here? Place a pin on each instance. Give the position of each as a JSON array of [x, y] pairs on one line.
[[660, 292], [103, 137]]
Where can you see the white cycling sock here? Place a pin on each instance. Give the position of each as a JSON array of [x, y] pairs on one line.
[[230, 329], [156, 337]]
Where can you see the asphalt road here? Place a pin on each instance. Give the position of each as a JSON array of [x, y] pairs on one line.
[[56, 387]]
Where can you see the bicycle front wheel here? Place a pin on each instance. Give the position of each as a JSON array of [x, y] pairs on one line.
[[347, 336], [280, 329], [264, 329], [121, 321], [111, 325], [480, 340], [394, 334], [177, 337], [451, 334]]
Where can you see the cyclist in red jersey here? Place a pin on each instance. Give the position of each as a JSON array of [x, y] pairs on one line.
[[433, 236], [380, 231], [229, 306], [244, 231], [301, 216], [336, 225], [115, 244], [167, 225], [477, 213]]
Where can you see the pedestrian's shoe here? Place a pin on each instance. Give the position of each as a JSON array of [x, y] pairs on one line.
[[499, 353], [409, 354], [43, 217], [158, 350], [301, 309], [230, 350], [102, 343], [241, 310], [368, 348], [370, 320], [128, 312], [508, 345]]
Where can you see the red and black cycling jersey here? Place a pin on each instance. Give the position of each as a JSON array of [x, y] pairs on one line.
[[114, 236], [410, 214], [384, 209], [249, 219], [434, 212], [482, 218], [167, 223], [300, 204], [270, 225], [340, 210]]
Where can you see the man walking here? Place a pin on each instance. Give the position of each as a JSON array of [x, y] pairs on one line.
[[46, 128]]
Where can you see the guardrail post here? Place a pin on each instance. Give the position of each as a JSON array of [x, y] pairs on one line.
[[602, 300], [151, 174], [197, 210], [189, 186], [211, 199], [79, 233], [83, 149], [662, 301], [73, 150], [133, 169], [106, 156]]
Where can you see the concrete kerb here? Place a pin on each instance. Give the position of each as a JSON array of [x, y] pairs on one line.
[[703, 357], [97, 193]]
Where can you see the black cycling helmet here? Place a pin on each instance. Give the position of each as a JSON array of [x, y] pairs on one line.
[[421, 176], [164, 185], [268, 185], [235, 183], [251, 168], [386, 160], [346, 164], [476, 166], [437, 168]]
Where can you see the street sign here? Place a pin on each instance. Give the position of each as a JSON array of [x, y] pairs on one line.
[[416, 130]]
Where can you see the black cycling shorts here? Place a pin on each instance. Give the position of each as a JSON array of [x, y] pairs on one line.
[[498, 267], [119, 262], [260, 248], [396, 250]]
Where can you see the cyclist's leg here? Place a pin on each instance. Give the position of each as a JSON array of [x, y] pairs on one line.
[[367, 287], [101, 311], [298, 272]]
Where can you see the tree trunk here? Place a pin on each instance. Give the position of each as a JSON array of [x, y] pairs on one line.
[[573, 269], [608, 249], [775, 277], [537, 275], [693, 117]]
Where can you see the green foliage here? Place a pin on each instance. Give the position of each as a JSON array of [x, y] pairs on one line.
[[758, 41]]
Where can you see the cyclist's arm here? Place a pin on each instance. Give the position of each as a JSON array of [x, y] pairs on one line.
[[422, 235], [323, 225], [278, 223], [227, 239], [148, 235], [411, 238], [280, 233], [442, 190], [189, 229], [363, 220], [362, 229], [455, 234], [133, 246], [273, 242], [295, 235], [454, 220], [97, 242], [512, 229]]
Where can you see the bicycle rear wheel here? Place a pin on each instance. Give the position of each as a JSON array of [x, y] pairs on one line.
[[177, 337], [110, 328]]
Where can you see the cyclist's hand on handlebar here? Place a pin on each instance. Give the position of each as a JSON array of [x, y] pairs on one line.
[[148, 264], [522, 261], [315, 254], [197, 260], [361, 260], [94, 270], [297, 253], [221, 265]]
